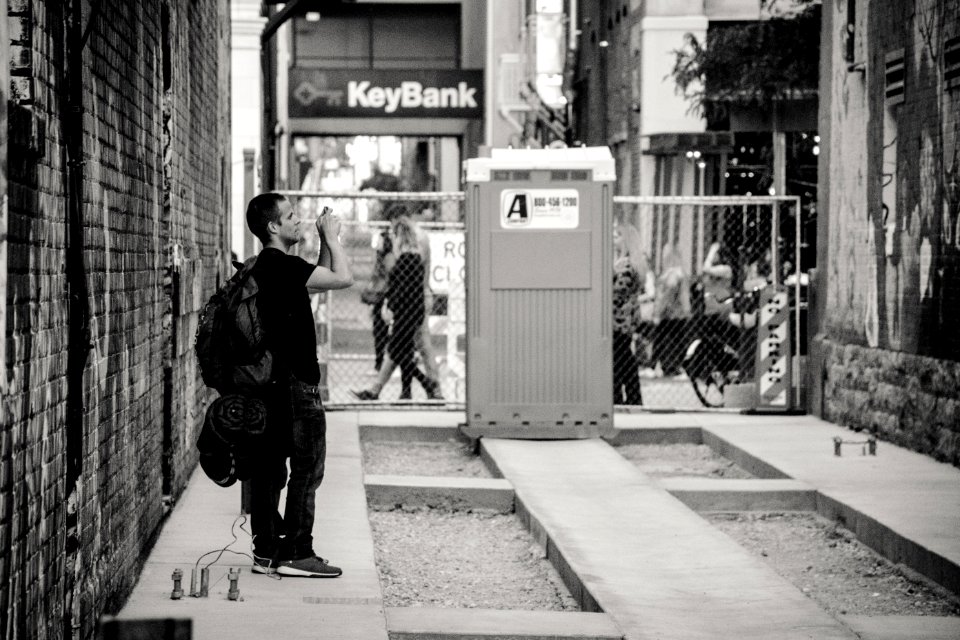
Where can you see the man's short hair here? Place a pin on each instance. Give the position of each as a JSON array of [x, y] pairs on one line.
[[262, 210]]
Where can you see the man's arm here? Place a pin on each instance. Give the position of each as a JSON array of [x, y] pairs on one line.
[[324, 259], [333, 268]]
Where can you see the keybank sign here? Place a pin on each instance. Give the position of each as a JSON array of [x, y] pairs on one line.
[[366, 93], [410, 95]]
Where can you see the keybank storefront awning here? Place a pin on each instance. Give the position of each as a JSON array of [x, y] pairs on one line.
[[385, 101]]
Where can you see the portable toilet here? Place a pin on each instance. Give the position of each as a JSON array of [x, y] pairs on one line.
[[539, 245]]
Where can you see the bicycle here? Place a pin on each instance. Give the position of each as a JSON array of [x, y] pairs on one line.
[[716, 357]]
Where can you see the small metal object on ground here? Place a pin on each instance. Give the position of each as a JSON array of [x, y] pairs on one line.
[[234, 576], [869, 445], [204, 582], [193, 583], [177, 592]]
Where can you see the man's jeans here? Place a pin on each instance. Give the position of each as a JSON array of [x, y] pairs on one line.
[[296, 428]]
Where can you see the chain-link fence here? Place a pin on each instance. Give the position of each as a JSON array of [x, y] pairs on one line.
[[397, 335], [688, 279], [687, 283]]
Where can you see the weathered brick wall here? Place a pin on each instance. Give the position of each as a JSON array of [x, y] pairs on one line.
[[155, 189], [198, 150], [906, 399], [32, 529], [887, 353]]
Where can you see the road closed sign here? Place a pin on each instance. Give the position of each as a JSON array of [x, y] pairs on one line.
[[447, 264], [539, 209]]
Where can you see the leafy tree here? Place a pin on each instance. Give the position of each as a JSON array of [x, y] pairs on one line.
[[752, 63]]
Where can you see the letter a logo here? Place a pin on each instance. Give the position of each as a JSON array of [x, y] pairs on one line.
[[516, 213]]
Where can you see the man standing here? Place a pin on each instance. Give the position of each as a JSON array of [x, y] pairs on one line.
[[296, 423]]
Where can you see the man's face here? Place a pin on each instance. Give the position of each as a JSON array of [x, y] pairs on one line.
[[289, 224]]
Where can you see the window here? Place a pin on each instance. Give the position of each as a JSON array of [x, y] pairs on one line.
[[894, 91], [951, 63], [380, 37], [851, 32]]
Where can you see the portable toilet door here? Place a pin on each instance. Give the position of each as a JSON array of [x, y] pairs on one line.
[[539, 228]]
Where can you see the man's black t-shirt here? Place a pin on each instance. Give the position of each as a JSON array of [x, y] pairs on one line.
[[284, 306]]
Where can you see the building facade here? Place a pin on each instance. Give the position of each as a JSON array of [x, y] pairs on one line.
[[886, 352], [626, 96], [336, 71], [341, 70], [116, 148]]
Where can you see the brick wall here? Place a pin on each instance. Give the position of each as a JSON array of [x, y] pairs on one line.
[[886, 356], [155, 187]]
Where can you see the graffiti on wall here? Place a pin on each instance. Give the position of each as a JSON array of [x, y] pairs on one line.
[[913, 277]]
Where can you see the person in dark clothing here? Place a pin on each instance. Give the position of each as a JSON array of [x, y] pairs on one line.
[[626, 314], [406, 305], [381, 331], [422, 338], [381, 180], [296, 422]]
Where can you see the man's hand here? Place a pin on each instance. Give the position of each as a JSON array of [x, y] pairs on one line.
[[328, 225]]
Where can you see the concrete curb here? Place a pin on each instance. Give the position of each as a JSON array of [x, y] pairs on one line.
[[899, 627], [891, 545], [425, 623], [746, 461], [579, 591], [440, 492], [408, 433], [656, 435], [707, 494], [885, 541]]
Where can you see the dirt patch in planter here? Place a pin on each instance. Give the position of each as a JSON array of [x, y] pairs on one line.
[[681, 460], [832, 567], [463, 559], [451, 458]]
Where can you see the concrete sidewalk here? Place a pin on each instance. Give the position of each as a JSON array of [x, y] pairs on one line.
[[904, 504], [654, 567], [349, 607]]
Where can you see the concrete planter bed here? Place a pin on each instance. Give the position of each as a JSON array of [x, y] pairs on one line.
[[446, 535], [450, 532], [681, 460], [832, 567], [461, 559], [444, 458]]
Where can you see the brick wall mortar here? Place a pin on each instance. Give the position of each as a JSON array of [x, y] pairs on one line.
[[127, 253], [915, 405]]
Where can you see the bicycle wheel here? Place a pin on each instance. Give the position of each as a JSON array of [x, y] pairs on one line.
[[708, 390], [702, 364]]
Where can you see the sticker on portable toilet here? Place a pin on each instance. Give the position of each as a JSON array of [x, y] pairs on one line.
[[539, 209]]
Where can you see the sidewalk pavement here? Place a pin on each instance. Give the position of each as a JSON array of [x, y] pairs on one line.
[[347, 607], [656, 569]]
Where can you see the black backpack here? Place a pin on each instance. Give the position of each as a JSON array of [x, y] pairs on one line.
[[230, 345]]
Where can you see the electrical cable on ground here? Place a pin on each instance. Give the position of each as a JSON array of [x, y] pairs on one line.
[[242, 519]]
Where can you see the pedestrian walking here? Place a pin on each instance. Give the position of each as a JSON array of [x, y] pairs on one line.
[[671, 311], [406, 306], [627, 281], [375, 294], [296, 422], [422, 338]]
